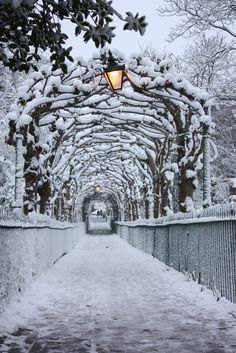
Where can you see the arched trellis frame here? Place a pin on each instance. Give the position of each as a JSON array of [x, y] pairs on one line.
[[106, 195], [158, 119]]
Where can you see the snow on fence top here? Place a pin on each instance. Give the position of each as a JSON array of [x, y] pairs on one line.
[[9, 218], [213, 213]]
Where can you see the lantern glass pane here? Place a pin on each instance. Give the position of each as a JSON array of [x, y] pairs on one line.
[[98, 189], [115, 78], [107, 79]]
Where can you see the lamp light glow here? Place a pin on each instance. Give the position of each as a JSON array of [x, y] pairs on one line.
[[98, 188]]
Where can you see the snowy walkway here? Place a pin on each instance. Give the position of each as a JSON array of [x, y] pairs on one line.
[[105, 296]]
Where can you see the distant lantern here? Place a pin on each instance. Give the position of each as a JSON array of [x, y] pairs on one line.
[[98, 188], [114, 73]]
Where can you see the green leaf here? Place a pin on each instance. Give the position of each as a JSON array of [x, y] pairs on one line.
[[64, 68], [77, 30], [70, 58]]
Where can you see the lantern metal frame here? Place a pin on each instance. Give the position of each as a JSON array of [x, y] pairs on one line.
[[112, 67]]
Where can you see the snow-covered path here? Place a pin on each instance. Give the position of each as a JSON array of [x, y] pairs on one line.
[[105, 296]]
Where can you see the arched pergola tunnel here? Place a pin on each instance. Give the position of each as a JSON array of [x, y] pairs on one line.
[[76, 133], [112, 206]]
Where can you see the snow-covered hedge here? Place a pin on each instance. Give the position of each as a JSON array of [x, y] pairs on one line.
[[27, 251]]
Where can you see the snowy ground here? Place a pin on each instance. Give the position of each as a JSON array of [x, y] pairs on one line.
[[105, 296]]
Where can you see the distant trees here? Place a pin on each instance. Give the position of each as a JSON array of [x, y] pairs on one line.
[[27, 26], [225, 139], [210, 59], [210, 62], [199, 16]]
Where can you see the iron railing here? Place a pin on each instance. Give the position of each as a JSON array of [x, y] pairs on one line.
[[26, 251], [201, 244]]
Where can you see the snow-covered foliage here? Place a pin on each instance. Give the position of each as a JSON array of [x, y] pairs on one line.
[[77, 133]]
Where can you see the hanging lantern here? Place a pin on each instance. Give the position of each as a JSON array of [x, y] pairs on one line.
[[98, 188], [114, 73]]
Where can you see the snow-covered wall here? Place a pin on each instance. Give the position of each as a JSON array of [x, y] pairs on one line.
[[205, 249], [25, 252]]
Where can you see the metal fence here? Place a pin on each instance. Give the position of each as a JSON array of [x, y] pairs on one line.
[[5, 213], [27, 251], [203, 247]]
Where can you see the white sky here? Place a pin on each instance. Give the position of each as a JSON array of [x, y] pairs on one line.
[[129, 41]]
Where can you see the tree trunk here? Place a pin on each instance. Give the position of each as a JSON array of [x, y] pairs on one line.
[[165, 202], [133, 211], [31, 167], [146, 203], [44, 192], [156, 192], [31, 179], [186, 189]]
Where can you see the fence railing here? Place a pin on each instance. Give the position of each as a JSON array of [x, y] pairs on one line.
[[5, 213], [201, 243], [26, 251]]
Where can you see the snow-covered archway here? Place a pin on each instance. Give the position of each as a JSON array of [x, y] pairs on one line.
[[112, 207], [76, 132]]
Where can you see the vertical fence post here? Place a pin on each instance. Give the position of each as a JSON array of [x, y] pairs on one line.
[[168, 245], [59, 208], [206, 167], [18, 174]]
